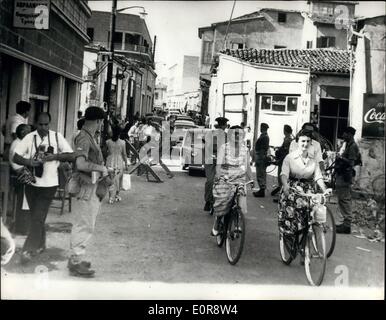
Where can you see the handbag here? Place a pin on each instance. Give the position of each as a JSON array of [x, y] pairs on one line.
[[25, 176], [126, 181]]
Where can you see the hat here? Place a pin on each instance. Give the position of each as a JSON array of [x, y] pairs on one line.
[[264, 126], [94, 113], [350, 130], [221, 121], [287, 128]]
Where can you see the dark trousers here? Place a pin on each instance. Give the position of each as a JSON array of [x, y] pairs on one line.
[[39, 200], [261, 173], [210, 172], [343, 192], [22, 219]]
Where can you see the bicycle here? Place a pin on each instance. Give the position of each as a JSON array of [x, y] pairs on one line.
[[231, 227], [310, 241]]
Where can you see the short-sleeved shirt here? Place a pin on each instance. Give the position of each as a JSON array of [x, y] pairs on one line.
[[313, 149], [86, 146], [11, 125], [351, 152], [294, 167], [27, 149], [12, 153]]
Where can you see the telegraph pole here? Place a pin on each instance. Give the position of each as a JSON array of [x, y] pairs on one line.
[[110, 66]]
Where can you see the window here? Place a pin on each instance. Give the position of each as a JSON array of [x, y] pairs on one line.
[[266, 103], [325, 42], [279, 103], [118, 40], [282, 17], [279, 47], [292, 104], [309, 44], [90, 33], [156, 95], [207, 52], [236, 46]]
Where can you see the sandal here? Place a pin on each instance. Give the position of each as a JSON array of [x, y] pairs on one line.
[[111, 201], [118, 198]]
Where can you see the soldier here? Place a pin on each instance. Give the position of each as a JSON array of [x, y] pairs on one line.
[[345, 163], [261, 151], [87, 203], [281, 154]]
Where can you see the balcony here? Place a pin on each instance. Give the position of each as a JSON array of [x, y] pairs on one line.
[[126, 48]]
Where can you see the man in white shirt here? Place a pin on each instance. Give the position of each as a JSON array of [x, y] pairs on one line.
[[42, 150], [21, 117]]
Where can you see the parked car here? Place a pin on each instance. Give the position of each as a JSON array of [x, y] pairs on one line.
[[192, 154], [179, 128], [184, 118]]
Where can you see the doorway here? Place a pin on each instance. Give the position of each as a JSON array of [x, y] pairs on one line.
[[333, 118]]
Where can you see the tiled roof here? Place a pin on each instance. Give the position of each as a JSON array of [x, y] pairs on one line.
[[317, 60]]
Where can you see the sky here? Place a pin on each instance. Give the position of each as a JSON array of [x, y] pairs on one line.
[[176, 23]]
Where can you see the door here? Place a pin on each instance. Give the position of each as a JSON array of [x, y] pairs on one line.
[[333, 118]]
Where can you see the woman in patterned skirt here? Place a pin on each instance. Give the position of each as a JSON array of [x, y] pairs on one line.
[[232, 168], [300, 171]]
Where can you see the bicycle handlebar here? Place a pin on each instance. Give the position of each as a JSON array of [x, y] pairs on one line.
[[312, 196]]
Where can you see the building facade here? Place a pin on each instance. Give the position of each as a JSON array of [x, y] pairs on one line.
[[281, 86], [368, 99], [160, 98], [133, 83], [183, 88], [42, 64], [326, 24]]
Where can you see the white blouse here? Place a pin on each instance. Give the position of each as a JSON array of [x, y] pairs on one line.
[[294, 167]]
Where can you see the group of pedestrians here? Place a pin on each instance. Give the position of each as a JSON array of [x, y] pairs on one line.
[[40, 152], [300, 164]]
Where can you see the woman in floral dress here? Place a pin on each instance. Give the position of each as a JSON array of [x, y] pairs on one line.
[[301, 171]]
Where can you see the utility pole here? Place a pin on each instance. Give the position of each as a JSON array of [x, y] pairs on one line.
[[110, 67]]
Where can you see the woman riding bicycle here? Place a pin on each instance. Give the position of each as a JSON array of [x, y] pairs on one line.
[[300, 171], [232, 168]]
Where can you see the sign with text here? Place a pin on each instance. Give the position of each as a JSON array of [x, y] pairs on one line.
[[373, 116], [31, 14]]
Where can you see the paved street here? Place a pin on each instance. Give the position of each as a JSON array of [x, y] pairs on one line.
[[156, 243]]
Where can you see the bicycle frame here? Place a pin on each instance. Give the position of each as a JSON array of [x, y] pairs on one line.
[[301, 242]]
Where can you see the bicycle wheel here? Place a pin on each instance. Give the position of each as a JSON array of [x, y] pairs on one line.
[[221, 235], [315, 255], [235, 236], [287, 247], [329, 229]]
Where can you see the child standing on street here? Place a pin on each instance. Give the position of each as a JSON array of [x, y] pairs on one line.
[[117, 160]]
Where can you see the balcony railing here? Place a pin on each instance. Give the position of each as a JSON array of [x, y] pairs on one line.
[[125, 47]]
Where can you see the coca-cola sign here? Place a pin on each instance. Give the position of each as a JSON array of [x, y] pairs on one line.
[[373, 116]]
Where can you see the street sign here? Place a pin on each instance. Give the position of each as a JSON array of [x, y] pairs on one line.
[[31, 14]]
